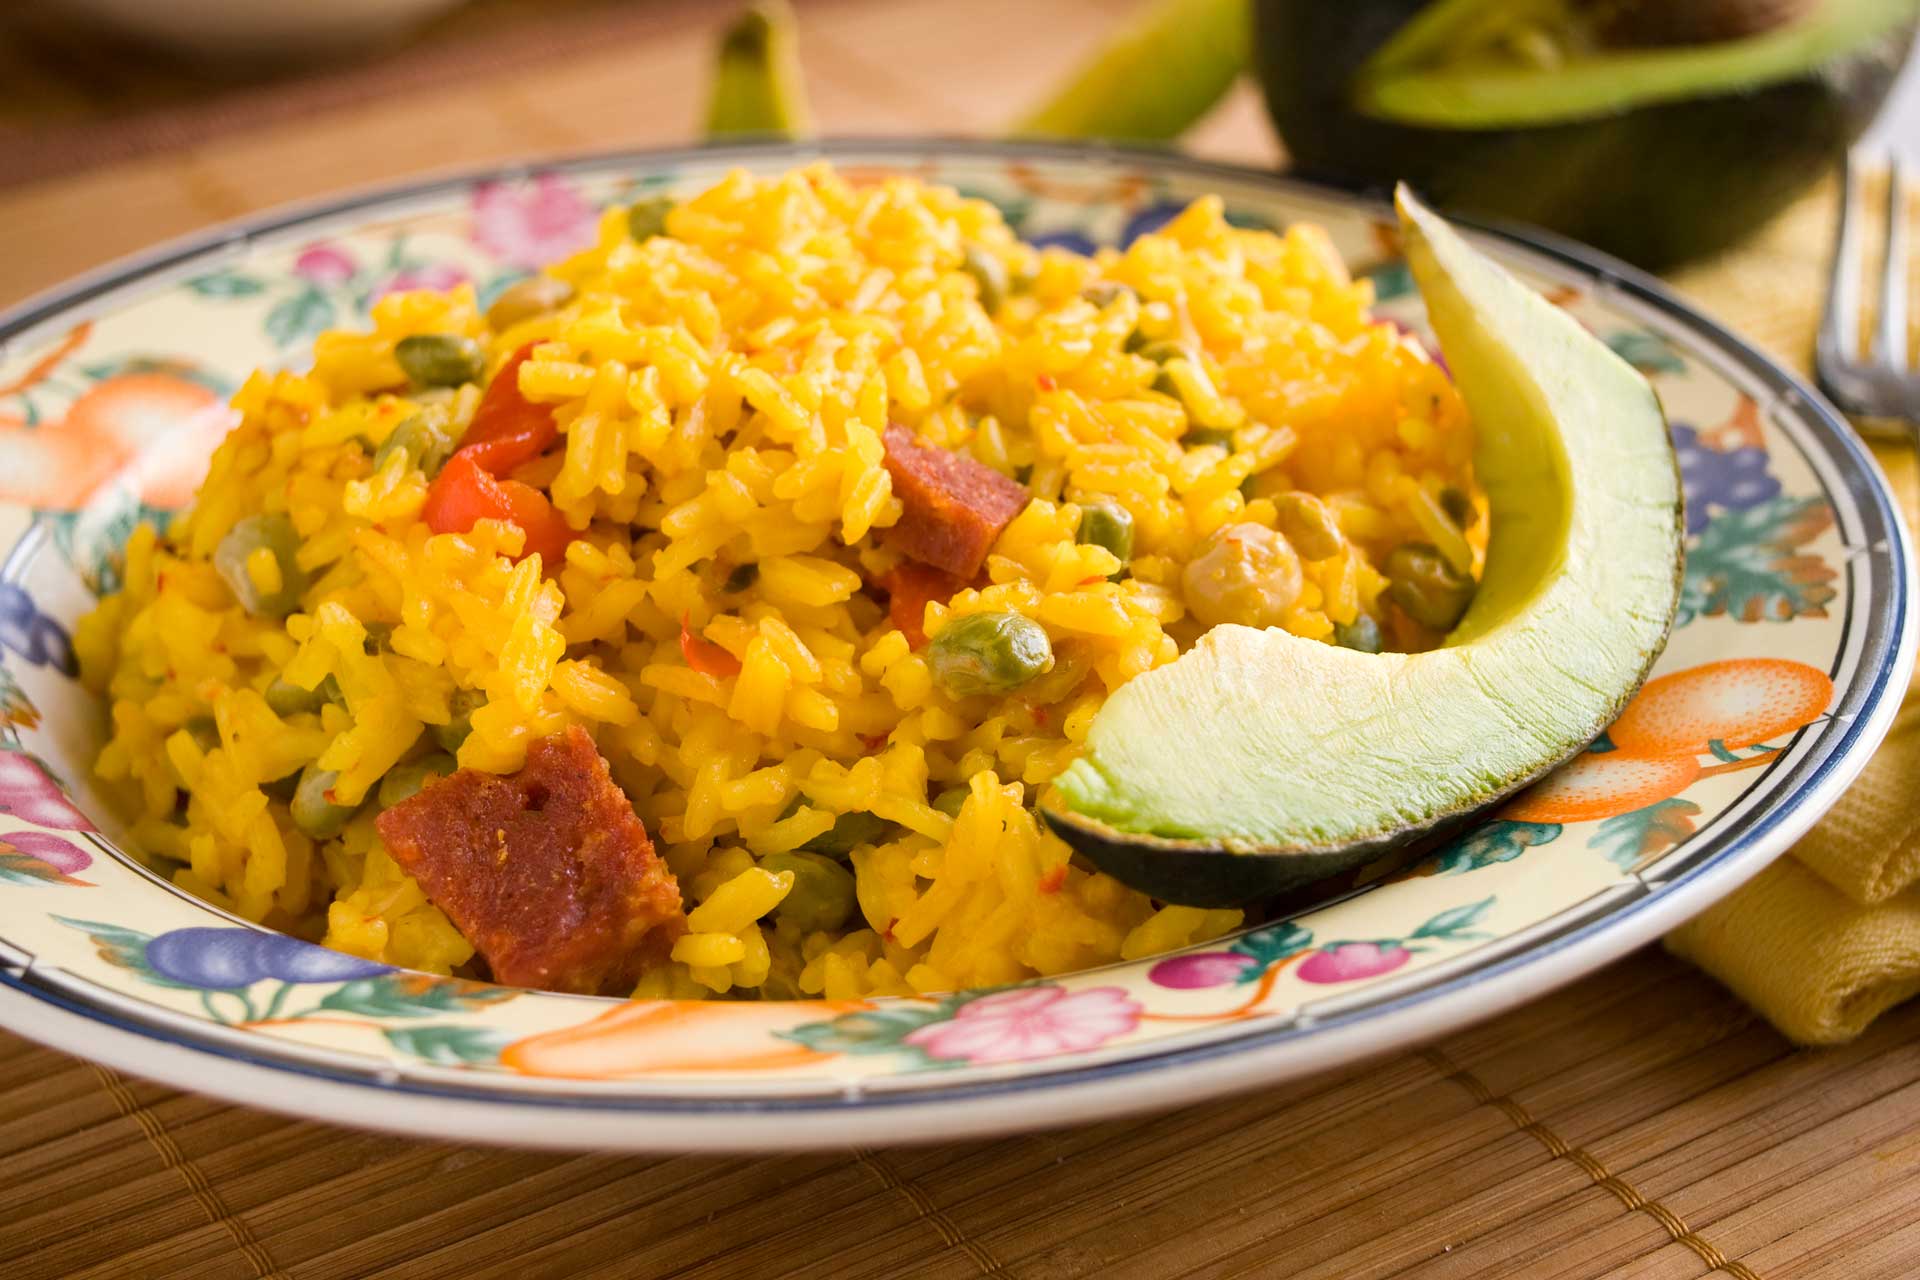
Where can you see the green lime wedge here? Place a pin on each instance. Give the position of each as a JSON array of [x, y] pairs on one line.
[[1153, 79], [756, 77]]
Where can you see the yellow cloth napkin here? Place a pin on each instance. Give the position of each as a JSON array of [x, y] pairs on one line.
[[1817, 964], [1828, 938]]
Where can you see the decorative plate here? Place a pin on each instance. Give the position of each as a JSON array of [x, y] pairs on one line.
[[1794, 642]]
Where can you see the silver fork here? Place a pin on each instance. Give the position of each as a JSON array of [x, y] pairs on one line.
[[1879, 386]]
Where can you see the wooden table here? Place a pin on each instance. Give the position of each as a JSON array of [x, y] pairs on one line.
[[1640, 1123]]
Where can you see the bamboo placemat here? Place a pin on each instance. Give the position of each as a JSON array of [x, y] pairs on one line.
[[1640, 1123]]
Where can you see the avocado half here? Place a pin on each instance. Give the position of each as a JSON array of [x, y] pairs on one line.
[[1259, 761], [1537, 111]]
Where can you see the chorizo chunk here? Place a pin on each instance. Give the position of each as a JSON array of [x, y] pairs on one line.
[[547, 871], [953, 507]]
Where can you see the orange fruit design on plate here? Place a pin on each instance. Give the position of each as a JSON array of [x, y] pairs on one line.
[[1735, 703], [1718, 706], [668, 1036], [1601, 784], [116, 429]]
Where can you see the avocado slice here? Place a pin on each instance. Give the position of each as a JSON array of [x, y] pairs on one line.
[[1258, 761], [1541, 111], [1451, 68]]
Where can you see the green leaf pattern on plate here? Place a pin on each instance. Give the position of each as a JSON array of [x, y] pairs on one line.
[[455, 1045], [410, 995], [1750, 565], [1630, 838], [1498, 841]]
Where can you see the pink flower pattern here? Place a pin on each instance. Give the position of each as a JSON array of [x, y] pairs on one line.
[[533, 224], [325, 264], [1027, 1023]]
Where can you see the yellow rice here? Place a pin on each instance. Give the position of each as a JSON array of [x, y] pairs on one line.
[[722, 390]]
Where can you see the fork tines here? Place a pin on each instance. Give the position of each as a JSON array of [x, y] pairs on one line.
[[1877, 381]]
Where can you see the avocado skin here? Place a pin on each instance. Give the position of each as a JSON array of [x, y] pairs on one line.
[[1657, 185], [1198, 875], [1203, 873]]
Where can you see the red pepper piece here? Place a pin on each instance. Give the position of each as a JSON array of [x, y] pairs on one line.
[[507, 428], [463, 494], [703, 655]]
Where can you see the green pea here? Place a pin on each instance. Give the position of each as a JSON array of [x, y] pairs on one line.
[[313, 812], [1430, 590], [203, 731], [1162, 351], [1109, 525], [740, 578], [426, 439], [405, 781], [988, 653], [1362, 634], [534, 296], [288, 699], [1200, 437], [276, 533], [648, 218], [822, 896], [1459, 508], [1167, 386], [951, 800], [849, 830], [989, 276], [1104, 293], [461, 707], [440, 359], [1305, 522], [1165, 353]]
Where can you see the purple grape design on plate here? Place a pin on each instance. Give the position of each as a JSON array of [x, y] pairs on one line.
[[228, 958]]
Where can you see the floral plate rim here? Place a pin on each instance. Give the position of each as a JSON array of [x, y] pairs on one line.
[[579, 1118]]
